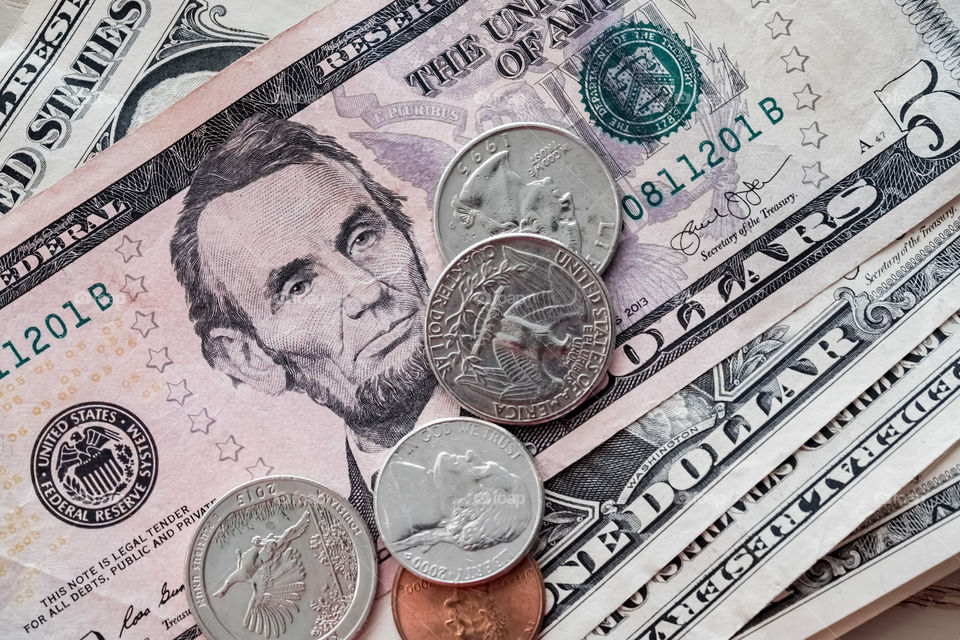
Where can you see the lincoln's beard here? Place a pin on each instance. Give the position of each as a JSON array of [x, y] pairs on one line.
[[384, 408]]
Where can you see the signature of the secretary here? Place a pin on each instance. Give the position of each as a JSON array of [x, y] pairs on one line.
[[740, 205], [166, 594]]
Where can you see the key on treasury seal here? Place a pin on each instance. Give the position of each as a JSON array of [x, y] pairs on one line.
[[528, 178], [458, 501], [281, 557], [519, 329], [510, 606]]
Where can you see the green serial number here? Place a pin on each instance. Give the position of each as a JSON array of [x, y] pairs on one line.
[[38, 340]]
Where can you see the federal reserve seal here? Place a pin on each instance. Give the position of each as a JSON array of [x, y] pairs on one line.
[[639, 82], [94, 465]]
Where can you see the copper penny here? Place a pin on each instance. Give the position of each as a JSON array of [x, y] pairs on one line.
[[508, 608]]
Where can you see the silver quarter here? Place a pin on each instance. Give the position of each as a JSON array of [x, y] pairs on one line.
[[519, 329], [281, 557], [529, 178], [459, 501]]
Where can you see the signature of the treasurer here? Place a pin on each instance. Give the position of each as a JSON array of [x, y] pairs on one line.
[[740, 205], [131, 619]]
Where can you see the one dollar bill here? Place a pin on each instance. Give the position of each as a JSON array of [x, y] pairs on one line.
[[877, 445], [78, 75], [912, 535], [622, 513]]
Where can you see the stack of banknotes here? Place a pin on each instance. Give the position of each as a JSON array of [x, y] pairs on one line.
[[769, 453]]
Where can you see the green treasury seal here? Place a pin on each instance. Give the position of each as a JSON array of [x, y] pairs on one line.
[[639, 82]]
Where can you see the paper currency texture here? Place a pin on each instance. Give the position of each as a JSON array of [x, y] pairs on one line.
[[832, 483], [931, 613], [78, 75], [10, 11], [911, 535], [629, 489]]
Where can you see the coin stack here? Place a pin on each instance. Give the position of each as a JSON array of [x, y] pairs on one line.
[[519, 329], [459, 504]]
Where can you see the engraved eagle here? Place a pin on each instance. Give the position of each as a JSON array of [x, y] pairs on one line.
[[82, 449], [528, 337], [276, 573]]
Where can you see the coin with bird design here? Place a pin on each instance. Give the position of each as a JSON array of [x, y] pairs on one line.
[[281, 557]]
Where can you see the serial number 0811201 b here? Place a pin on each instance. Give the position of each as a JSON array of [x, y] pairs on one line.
[[56, 326]]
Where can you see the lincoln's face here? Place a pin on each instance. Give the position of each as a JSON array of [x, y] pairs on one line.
[[331, 286]]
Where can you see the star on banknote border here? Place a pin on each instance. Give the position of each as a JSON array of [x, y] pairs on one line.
[[133, 287], [145, 323], [806, 98], [201, 422], [178, 392], [260, 469], [159, 359], [782, 26], [129, 249], [812, 136], [814, 175], [795, 61], [231, 445]]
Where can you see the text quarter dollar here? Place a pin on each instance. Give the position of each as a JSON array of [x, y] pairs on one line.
[[519, 329]]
